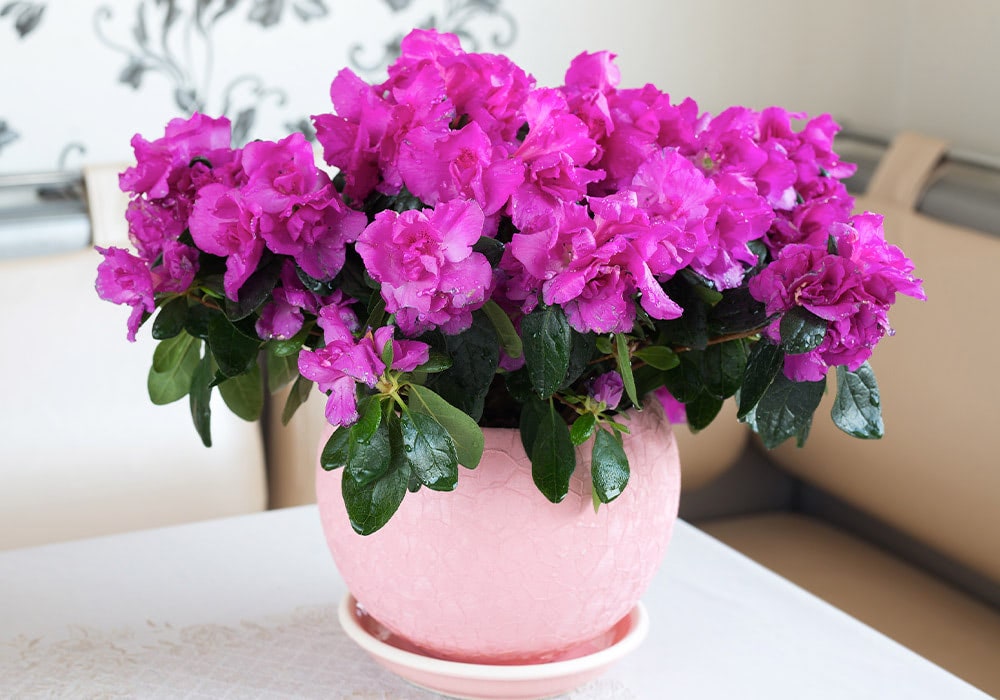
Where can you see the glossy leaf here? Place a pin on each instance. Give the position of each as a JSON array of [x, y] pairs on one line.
[[475, 356], [178, 363], [429, 450], [764, 362], [583, 428], [702, 411], [244, 394], [170, 319], [546, 335], [658, 356], [553, 458], [371, 505], [256, 290], [625, 368], [337, 450], [857, 409], [200, 398], [369, 453], [684, 380], [801, 331], [464, 432], [785, 410], [532, 413], [297, 396], [723, 367], [235, 352], [581, 350], [290, 347], [609, 470], [510, 341]]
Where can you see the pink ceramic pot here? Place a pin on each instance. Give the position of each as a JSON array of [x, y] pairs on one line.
[[493, 572]]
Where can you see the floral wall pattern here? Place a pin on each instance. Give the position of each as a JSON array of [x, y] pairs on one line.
[[92, 73]]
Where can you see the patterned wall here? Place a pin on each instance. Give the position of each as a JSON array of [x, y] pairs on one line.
[[81, 76]]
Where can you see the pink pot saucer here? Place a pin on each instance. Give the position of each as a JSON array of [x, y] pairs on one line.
[[576, 667]]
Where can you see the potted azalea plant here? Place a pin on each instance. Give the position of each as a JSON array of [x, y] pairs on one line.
[[477, 252]]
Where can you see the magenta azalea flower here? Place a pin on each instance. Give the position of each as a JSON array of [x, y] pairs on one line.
[[430, 276], [184, 140], [342, 363], [222, 225], [123, 278], [851, 289]]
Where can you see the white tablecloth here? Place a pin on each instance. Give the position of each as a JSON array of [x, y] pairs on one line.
[[246, 608]]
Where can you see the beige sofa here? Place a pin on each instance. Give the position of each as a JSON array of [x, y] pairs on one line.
[[903, 533]]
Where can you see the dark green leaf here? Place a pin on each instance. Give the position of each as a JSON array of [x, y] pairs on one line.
[[464, 432], [785, 410], [388, 354], [196, 322], [256, 290], [244, 394], [583, 428], [320, 287], [764, 362], [170, 320], [532, 413], [430, 451], [369, 418], [702, 411], [603, 344], [857, 409], [281, 369], [491, 248], [369, 453], [625, 368], [370, 506], [691, 329], [337, 450], [297, 396], [173, 368], [737, 313], [475, 356], [801, 330], [292, 346], [235, 353], [658, 356], [609, 470], [510, 341], [376, 314], [684, 380], [581, 350], [547, 339], [436, 362], [723, 366], [200, 398], [553, 458]]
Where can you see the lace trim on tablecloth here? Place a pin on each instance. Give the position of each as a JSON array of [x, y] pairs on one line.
[[302, 655]]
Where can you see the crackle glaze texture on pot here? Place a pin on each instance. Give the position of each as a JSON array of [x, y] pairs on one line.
[[494, 573]]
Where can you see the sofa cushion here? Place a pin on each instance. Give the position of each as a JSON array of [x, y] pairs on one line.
[[941, 623]]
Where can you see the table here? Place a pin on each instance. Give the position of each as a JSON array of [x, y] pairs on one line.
[[245, 607]]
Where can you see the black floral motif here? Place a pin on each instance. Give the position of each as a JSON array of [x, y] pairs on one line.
[[7, 135], [26, 15], [174, 39], [468, 19]]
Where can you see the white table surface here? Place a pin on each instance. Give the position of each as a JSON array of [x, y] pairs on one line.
[[246, 608]]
